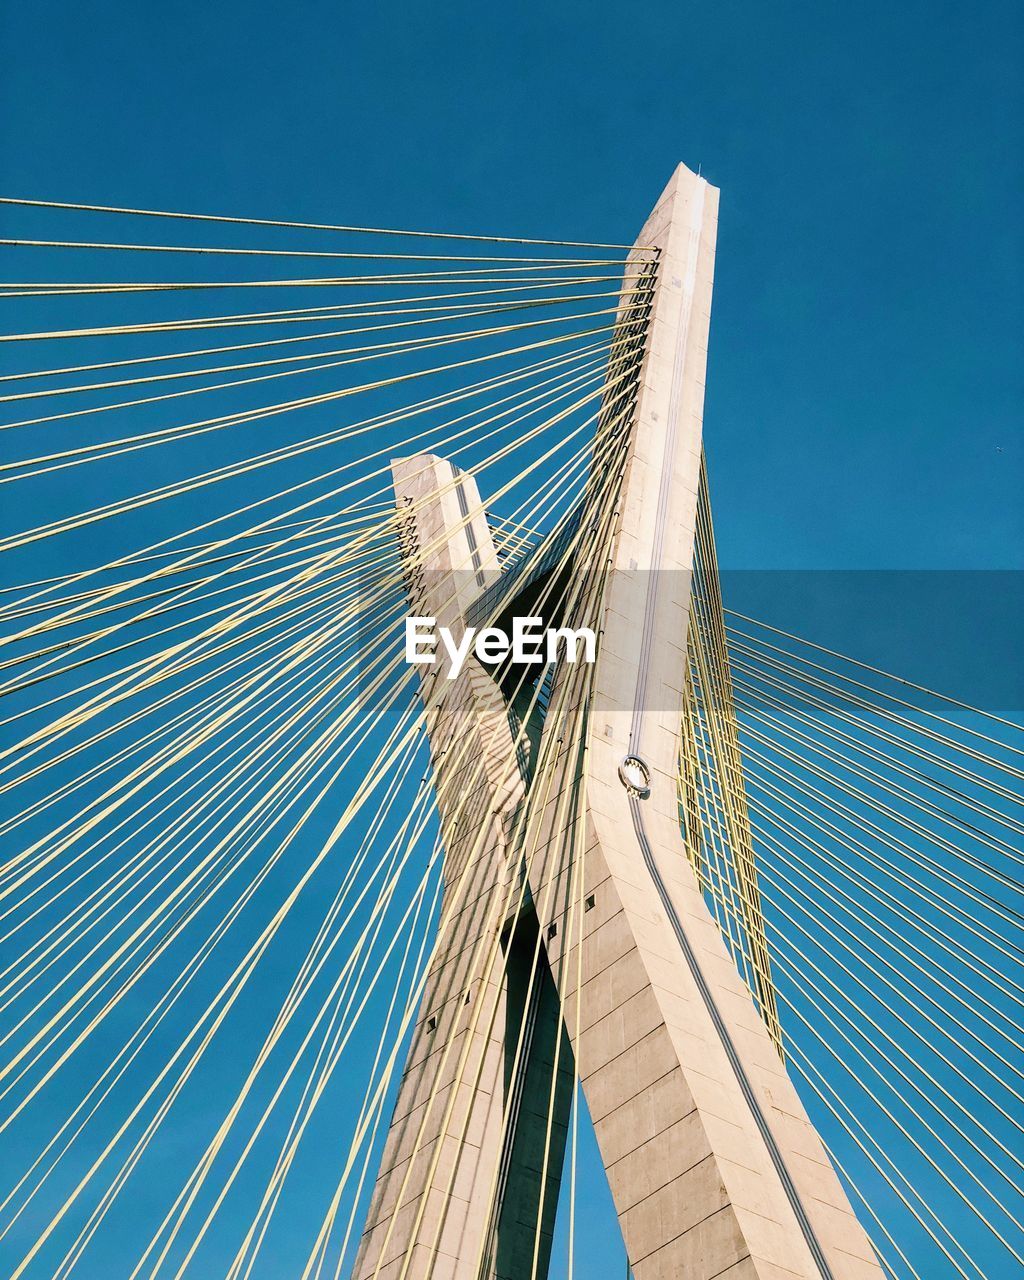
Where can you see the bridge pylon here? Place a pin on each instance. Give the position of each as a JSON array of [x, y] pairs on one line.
[[575, 937]]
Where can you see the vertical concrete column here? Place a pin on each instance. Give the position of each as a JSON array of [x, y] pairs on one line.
[[716, 1171], [435, 1176]]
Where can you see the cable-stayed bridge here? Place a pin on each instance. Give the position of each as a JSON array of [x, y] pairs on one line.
[[317, 963]]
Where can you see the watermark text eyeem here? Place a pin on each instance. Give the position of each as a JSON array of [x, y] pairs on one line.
[[529, 642]]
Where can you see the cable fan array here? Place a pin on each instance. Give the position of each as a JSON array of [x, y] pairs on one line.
[[222, 879], [864, 869], [221, 884]]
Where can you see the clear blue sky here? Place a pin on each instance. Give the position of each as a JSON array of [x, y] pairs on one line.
[[865, 382]]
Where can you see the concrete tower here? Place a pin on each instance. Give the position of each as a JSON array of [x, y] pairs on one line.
[[715, 1170]]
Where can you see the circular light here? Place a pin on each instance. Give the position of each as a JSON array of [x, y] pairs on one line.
[[635, 777]]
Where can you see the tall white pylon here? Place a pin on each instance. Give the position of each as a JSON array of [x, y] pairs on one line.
[[579, 857]]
